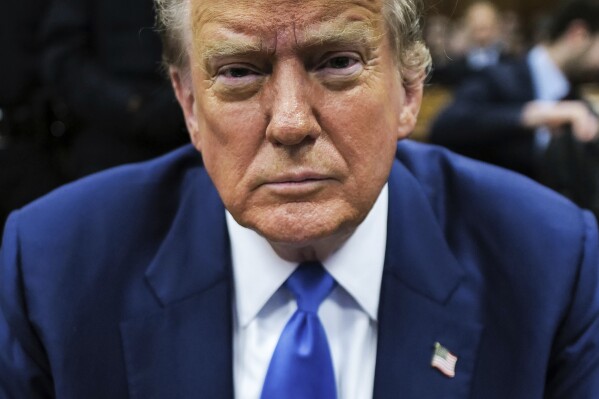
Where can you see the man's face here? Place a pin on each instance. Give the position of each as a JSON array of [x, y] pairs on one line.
[[296, 108], [482, 24]]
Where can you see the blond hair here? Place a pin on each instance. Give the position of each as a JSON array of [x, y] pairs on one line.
[[402, 18]]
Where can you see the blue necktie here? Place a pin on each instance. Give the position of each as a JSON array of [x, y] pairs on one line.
[[301, 366]]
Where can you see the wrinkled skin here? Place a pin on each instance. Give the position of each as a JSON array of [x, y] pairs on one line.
[[297, 108]]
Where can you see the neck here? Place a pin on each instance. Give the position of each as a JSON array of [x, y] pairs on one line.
[[317, 250]]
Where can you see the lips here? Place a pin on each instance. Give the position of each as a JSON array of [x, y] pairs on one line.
[[296, 183], [300, 177]]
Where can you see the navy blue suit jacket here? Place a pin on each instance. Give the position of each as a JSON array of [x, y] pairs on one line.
[[119, 286], [483, 120]]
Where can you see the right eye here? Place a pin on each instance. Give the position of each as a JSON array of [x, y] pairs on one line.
[[237, 74]]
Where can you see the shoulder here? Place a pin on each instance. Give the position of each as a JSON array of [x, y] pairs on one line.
[[515, 237], [530, 260], [485, 202], [108, 227], [124, 200]]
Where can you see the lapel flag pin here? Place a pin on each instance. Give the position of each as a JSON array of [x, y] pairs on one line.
[[443, 360]]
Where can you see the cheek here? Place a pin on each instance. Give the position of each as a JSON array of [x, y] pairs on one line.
[[363, 128], [231, 137], [229, 123]]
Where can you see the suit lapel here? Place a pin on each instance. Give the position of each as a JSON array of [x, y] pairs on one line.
[[423, 301], [184, 350]]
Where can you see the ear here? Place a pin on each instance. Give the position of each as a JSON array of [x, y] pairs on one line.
[[183, 87], [410, 106]]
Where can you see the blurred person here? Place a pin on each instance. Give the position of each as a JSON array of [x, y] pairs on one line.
[[438, 30], [483, 26], [102, 58], [481, 30], [508, 114], [28, 164], [512, 36], [296, 250]]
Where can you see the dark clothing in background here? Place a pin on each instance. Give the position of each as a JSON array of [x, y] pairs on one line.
[[483, 122], [81, 90], [102, 58], [452, 73], [28, 167], [572, 168], [18, 28]]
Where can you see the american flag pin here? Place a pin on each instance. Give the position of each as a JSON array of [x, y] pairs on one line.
[[443, 360]]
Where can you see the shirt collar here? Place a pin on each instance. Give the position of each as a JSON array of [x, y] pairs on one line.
[[549, 81], [481, 57], [357, 266]]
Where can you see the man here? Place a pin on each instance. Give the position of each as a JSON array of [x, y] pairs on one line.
[[484, 46], [507, 115], [179, 278]]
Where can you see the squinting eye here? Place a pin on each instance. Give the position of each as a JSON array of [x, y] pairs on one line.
[[238, 76], [237, 72], [341, 65], [340, 62]]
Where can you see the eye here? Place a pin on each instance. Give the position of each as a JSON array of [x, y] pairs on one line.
[[237, 74], [237, 79], [345, 64], [340, 62]]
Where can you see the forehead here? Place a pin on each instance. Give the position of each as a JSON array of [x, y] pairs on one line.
[[481, 12], [273, 17]]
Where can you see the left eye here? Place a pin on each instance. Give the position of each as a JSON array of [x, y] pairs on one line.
[[237, 72], [340, 62], [340, 65]]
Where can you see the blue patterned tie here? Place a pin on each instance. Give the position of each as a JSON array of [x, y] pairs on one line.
[[301, 366]]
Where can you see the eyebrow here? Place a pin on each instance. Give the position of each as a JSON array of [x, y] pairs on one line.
[[335, 33], [328, 33], [232, 47]]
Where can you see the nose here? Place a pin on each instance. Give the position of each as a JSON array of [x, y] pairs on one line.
[[292, 116]]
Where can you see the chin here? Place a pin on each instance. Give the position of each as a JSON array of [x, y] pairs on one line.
[[303, 224]]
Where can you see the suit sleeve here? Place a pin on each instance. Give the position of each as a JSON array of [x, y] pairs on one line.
[[478, 114], [574, 369], [24, 368]]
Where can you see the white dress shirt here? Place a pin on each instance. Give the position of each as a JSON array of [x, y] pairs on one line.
[[262, 306], [482, 57], [550, 84]]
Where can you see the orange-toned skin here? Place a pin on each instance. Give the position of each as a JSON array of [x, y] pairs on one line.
[[297, 129]]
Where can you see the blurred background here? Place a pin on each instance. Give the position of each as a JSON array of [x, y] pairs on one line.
[[520, 24], [82, 89]]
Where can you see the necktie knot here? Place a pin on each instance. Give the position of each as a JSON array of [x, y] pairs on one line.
[[310, 284]]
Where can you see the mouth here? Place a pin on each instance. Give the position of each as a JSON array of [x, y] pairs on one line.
[[298, 178], [297, 183]]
